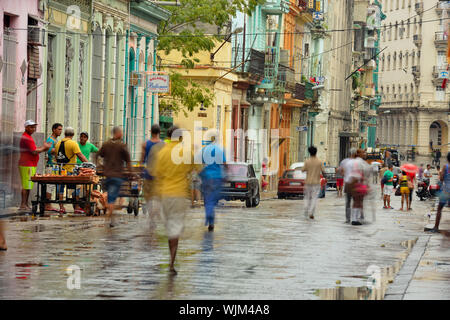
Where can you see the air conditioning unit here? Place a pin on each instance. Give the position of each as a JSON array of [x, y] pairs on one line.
[[135, 79], [36, 35]]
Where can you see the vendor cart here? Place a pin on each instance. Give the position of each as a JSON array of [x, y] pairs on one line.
[[130, 189], [71, 183]]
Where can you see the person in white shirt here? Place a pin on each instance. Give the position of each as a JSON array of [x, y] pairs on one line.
[[346, 168], [427, 173]]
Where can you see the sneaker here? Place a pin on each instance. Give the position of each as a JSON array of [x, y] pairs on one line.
[[211, 227], [356, 223], [390, 208], [385, 207], [311, 217], [433, 230]]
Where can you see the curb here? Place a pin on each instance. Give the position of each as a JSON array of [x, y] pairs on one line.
[[398, 289]]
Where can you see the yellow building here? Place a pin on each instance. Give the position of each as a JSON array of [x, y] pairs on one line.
[[216, 76]]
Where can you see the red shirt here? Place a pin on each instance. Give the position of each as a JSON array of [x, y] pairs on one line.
[[27, 158]]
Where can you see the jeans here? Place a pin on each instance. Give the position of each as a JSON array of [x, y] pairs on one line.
[[311, 195], [348, 210], [113, 188], [211, 195]]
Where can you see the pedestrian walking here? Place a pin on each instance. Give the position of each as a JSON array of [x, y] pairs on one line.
[[52, 139], [388, 187], [404, 190], [339, 181], [358, 186], [444, 196], [438, 156], [67, 152], [172, 186], [411, 185], [116, 159], [313, 168], [212, 175], [420, 172], [264, 168], [3, 246], [28, 161], [375, 168], [381, 175], [427, 175], [149, 151], [346, 167], [196, 188]]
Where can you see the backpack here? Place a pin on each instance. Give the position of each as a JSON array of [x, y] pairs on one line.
[[61, 157]]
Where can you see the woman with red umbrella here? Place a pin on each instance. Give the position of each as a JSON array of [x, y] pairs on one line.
[[410, 170]]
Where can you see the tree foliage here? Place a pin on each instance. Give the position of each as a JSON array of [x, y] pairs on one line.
[[188, 31]]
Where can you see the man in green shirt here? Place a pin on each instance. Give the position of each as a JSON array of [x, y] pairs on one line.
[[86, 147], [388, 187]]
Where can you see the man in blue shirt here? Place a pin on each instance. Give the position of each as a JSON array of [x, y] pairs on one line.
[[52, 139], [212, 176]]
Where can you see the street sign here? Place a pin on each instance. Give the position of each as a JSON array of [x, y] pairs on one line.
[[158, 83], [443, 75], [302, 128]]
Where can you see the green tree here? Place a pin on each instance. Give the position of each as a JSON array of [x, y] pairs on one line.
[[186, 32]]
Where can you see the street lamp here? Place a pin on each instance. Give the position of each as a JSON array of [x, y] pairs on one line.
[[236, 31]]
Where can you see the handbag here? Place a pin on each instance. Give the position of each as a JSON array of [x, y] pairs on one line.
[[384, 180], [397, 192], [361, 189]]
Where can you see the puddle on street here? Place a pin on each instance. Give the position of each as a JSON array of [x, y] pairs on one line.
[[369, 292]]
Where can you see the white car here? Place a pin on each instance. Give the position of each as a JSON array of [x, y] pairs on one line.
[[297, 166]]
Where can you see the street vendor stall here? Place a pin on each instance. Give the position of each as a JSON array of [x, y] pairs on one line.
[[82, 178]]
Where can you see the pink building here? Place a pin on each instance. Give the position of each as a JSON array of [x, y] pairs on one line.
[[21, 53]]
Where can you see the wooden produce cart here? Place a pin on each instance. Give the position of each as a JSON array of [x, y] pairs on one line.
[[70, 182], [130, 189]]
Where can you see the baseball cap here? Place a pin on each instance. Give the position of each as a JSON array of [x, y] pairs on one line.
[[30, 123], [85, 133]]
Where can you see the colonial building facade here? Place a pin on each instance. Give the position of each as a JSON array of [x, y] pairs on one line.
[[414, 109]]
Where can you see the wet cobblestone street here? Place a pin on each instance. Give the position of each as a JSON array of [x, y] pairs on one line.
[[268, 252]]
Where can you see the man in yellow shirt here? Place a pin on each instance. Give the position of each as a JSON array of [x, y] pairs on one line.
[[67, 152], [171, 172]]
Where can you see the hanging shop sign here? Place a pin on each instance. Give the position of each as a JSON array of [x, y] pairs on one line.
[[159, 83]]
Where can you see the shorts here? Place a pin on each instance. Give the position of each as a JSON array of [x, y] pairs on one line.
[[25, 177], [387, 190], [404, 190], [444, 198], [196, 185], [339, 182], [112, 186], [173, 212]]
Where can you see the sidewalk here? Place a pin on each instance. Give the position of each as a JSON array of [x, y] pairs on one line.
[[425, 274]]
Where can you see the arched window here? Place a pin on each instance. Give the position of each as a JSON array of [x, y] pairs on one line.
[[408, 28], [396, 30], [394, 61]]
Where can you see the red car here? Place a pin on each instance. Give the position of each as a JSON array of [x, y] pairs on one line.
[[292, 183]]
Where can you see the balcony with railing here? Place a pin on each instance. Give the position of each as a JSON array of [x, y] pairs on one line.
[[439, 74], [442, 6], [440, 39], [287, 76]]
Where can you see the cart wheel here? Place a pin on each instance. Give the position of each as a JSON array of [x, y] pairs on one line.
[[130, 208], [34, 209], [136, 207]]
